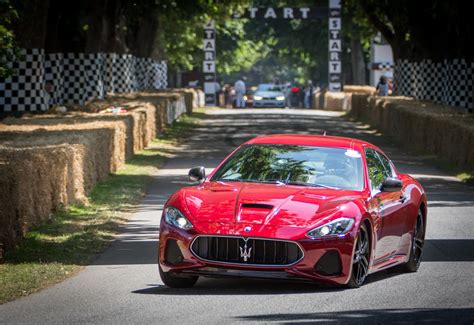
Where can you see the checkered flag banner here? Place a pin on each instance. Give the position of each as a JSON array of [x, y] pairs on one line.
[[24, 90], [42, 80], [448, 82], [382, 66]]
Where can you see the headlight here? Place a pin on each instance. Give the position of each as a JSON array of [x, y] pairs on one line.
[[245, 98], [280, 98], [175, 218], [257, 97], [333, 228]]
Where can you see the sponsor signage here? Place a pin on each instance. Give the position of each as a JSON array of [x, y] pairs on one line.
[[209, 63], [282, 13], [334, 46], [332, 13]]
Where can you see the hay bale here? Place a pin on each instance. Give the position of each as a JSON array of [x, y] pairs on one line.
[[336, 101], [356, 89], [53, 160], [196, 97], [32, 185], [201, 98], [316, 100], [359, 106], [121, 128], [93, 145], [171, 101], [423, 126], [176, 105], [188, 100], [148, 111], [42, 170]]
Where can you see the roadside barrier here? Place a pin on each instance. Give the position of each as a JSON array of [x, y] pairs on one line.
[[339, 101], [49, 161], [431, 128]]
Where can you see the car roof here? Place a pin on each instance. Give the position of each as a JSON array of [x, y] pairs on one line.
[[312, 140]]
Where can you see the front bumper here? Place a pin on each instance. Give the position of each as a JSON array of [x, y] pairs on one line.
[[269, 103], [310, 268]]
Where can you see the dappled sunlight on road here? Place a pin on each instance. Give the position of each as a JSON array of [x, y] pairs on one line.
[[127, 273]]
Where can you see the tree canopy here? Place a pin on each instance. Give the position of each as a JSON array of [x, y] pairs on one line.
[[8, 50], [277, 48], [423, 29]]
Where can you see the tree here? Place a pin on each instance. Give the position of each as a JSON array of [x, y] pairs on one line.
[[423, 29], [8, 49], [289, 50]]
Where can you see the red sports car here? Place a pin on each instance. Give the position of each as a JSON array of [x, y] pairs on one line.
[[298, 207]]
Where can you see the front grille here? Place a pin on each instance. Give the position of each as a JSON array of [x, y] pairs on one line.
[[254, 251]]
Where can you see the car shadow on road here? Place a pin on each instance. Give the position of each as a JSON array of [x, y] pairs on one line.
[[216, 286], [369, 316]]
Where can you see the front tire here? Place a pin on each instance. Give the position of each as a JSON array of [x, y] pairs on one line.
[[174, 281], [360, 260], [417, 242]]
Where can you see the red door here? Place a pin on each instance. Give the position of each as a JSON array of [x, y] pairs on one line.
[[387, 208]]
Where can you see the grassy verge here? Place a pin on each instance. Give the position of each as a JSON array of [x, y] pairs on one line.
[[76, 234]]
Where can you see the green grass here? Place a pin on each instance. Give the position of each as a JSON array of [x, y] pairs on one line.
[[180, 130], [77, 233]]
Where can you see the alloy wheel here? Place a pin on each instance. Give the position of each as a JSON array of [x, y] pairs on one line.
[[418, 239], [360, 264]]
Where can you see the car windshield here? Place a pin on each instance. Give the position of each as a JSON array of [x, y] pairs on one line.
[[268, 87], [294, 165]]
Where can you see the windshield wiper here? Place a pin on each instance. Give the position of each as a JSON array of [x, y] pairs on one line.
[[277, 181], [310, 184], [229, 180], [237, 180]]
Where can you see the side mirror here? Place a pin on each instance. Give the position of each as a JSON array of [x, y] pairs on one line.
[[391, 184], [197, 174]]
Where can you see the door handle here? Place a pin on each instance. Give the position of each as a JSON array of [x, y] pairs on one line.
[[402, 199]]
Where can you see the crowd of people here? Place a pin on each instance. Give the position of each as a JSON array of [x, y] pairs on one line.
[[296, 95]]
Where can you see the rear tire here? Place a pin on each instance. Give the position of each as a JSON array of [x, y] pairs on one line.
[[174, 281], [416, 249], [360, 260]]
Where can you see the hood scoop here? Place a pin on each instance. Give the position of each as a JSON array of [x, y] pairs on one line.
[[253, 213], [257, 206]]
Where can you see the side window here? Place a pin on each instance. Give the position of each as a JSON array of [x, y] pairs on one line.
[[386, 165], [375, 168]]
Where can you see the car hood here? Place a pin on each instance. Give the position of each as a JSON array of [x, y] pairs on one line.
[[263, 204], [268, 93]]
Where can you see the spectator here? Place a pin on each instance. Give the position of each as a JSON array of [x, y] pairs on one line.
[[287, 92], [232, 96], [227, 100], [240, 93], [49, 93], [308, 94], [382, 86]]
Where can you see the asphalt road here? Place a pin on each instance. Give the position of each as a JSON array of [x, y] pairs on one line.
[[123, 285]]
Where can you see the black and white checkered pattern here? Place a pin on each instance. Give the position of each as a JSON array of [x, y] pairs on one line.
[[24, 91], [448, 82], [76, 78], [53, 73], [382, 66], [158, 75], [83, 77]]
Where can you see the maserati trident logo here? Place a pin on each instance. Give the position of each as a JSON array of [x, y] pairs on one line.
[[245, 252]]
